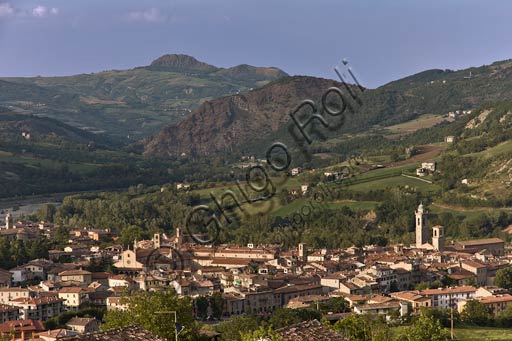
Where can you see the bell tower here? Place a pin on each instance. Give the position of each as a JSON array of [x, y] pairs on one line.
[[438, 237], [8, 221], [421, 226]]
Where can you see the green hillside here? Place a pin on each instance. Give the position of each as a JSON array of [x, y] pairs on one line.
[[134, 102]]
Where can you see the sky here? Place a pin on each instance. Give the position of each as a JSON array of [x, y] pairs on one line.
[[383, 40]]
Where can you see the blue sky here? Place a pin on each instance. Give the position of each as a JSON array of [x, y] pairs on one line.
[[383, 39]]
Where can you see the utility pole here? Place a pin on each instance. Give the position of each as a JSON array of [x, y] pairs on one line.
[[176, 331], [451, 317], [451, 323]]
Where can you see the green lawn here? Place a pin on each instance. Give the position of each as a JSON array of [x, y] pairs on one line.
[[480, 334], [424, 121], [394, 181], [501, 148]]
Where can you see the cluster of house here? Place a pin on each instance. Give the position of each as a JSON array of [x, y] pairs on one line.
[[458, 113], [252, 279], [427, 168]]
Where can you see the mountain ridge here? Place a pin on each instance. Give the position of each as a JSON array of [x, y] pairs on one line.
[[433, 91]]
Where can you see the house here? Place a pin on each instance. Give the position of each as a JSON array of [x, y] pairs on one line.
[[39, 308], [120, 281], [182, 187], [182, 287], [476, 268], [20, 275], [21, 329], [495, 246], [304, 189], [116, 303], [38, 268], [449, 139], [81, 276], [296, 171], [9, 313], [8, 294], [415, 300], [74, 297], [496, 303], [385, 308], [448, 297], [84, 324]]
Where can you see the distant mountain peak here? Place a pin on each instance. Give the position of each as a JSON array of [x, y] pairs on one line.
[[181, 62]]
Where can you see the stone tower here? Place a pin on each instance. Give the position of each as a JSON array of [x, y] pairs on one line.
[[438, 237], [156, 241], [179, 238], [8, 221], [421, 226], [302, 252]]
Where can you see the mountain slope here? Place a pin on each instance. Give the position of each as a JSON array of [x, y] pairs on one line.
[[231, 120], [135, 102], [428, 92]]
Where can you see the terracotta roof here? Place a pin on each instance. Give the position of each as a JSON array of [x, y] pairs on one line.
[[74, 273], [133, 333], [453, 290], [100, 275], [58, 333], [70, 290], [477, 242], [309, 330], [495, 299], [26, 325], [80, 321], [473, 264]]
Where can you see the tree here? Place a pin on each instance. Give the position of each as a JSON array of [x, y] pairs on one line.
[[152, 311], [504, 319], [421, 286], [202, 306], [503, 278], [285, 317], [46, 212], [333, 305], [130, 234], [425, 328], [365, 327], [476, 313], [443, 315], [238, 326], [262, 333], [217, 305]]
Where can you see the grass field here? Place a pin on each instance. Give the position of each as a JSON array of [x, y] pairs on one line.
[[481, 334], [394, 181], [424, 121], [501, 148]]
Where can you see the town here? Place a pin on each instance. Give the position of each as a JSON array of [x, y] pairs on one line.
[[393, 281]]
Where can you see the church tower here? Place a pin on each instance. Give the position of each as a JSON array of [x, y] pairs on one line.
[[421, 226], [438, 237], [8, 221], [156, 240]]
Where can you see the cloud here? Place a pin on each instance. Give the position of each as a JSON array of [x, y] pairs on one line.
[[148, 15], [39, 11], [6, 9], [42, 11]]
